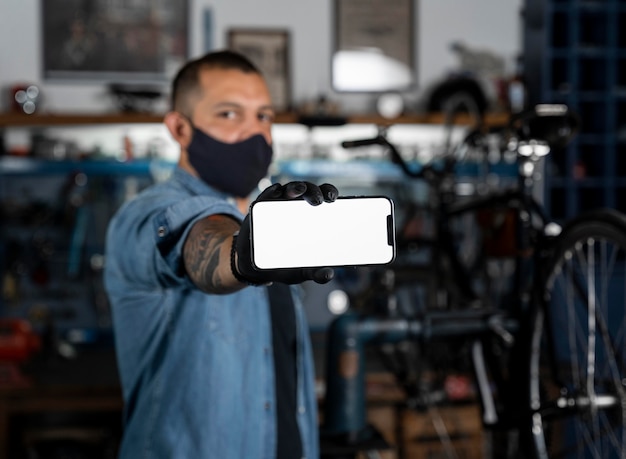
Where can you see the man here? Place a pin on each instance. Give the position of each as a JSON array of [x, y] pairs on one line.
[[214, 363]]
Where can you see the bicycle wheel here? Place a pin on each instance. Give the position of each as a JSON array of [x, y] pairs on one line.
[[577, 361]]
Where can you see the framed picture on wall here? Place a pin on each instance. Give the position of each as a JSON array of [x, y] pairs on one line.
[[268, 49], [373, 46], [113, 41]]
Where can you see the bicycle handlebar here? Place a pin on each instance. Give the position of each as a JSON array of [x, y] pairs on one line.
[[425, 172], [396, 158], [554, 124], [363, 142]]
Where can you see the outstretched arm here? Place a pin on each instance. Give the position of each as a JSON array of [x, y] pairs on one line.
[[210, 258]]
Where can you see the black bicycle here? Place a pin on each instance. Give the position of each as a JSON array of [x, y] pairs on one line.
[[534, 309]]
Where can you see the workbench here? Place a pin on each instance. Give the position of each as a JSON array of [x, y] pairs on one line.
[[77, 399]]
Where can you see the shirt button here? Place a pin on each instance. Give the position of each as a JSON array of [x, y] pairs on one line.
[[267, 406], [161, 231], [301, 409]]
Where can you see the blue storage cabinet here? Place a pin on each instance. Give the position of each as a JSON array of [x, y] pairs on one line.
[[583, 64]]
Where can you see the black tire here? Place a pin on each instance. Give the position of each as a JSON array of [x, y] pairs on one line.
[[578, 345]]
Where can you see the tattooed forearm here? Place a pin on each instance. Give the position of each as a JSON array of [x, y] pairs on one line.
[[207, 254], [204, 257]]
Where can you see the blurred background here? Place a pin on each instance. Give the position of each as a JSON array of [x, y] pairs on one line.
[[83, 89]]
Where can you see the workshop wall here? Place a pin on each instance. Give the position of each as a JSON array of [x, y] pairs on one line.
[[492, 25]]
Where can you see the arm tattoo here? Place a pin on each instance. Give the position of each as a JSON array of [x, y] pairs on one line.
[[206, 254]]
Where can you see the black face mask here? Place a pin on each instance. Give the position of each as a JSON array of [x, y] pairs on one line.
[[234, 168]]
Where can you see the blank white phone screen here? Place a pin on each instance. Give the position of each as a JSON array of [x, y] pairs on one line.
[[348, 232]]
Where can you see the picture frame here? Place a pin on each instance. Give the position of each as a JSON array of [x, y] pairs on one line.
[[269, 50], [374, 46], [113, 42]]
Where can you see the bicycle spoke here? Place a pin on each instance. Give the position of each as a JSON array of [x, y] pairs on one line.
[[585, 392]]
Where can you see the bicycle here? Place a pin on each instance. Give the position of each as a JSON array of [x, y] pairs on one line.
[[538, 308]]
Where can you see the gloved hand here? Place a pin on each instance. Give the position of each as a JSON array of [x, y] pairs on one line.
[[241, 257]]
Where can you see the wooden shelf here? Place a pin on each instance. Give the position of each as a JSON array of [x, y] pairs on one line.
[[66, 119]]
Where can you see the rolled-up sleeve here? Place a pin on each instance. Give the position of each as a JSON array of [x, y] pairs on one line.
[[171, 227], [145, 239]]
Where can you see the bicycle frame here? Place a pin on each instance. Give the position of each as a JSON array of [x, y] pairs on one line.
[[472, 317]]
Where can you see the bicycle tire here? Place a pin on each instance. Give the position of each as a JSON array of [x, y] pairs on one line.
[[577, 377]]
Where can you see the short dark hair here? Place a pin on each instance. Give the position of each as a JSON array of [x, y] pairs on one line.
[[186, 81]]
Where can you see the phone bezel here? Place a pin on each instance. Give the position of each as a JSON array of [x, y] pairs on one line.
[[390, 233]]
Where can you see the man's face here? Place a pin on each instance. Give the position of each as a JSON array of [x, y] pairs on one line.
[[233, 106]]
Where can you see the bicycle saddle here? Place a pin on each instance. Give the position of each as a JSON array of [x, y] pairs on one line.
[[554, 124]]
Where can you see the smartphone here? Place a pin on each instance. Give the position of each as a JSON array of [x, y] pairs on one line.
[[352, 231]]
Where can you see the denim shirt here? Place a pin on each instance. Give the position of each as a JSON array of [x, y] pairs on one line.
[[196, 369]]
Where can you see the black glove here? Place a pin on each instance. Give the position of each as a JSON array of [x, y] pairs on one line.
[[242, 266]]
